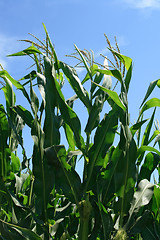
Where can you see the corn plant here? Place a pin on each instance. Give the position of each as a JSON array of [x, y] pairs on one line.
[[44, 197]]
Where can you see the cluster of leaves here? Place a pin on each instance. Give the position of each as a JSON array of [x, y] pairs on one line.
[[44, 197]]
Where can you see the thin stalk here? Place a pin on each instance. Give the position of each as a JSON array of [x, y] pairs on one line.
[[125, 184], [84, 211], [31, 191]]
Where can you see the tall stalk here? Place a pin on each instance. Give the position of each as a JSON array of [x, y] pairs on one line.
[[84, 211]]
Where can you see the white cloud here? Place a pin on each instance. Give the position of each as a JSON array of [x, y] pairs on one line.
[[143, 4], [103, 51], [7, 46], [80, 70]]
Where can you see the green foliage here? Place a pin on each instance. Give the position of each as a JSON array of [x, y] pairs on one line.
[[44, 197]]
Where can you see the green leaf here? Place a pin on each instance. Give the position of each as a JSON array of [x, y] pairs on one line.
[[24, 114], [113, 73], [150, 164], [145, 138], [93, 72], [155, 135], [24, 232], [137, 126], [97, 79], [144, 148], [105, 181], [8, 91], [157, 201], [15, 163], [4, 148], [56, 155], [27, 51], [127, 61], [69, 136], [76, 84], [114, 96], [52, 49], [149, 91], [68, 114], [107, 221], [125, 177], [5, 75], [20, 181], [158, 83], [34, 100], [49, 95], [154, 102], [103, 139], [16, 123], [31, 76], [41, 172], [84, 61], [148, 233], [140, 223], [128, 77], [94, 115]]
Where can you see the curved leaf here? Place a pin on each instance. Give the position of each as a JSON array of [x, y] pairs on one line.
[[137, 126], [113, 95], [150, 163], [142, 197], [24, 232], [149, 91], [113, 73], [127, 61], [24, 114], [84, 61], [144, 148], [154, 102], [97, 79], [76, 84], [27, 51], [93, 72]]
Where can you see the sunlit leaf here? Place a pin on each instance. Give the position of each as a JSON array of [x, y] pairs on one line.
[[154, 102], [27, 51], [84, 61], [142, 197], [127, 61], [114, 96], [113, 73], [76, 84], [149, 91]]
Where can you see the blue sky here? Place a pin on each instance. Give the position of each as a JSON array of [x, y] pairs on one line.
[[135, 23]]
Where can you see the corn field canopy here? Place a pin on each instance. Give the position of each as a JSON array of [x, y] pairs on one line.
[[43, 197]]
